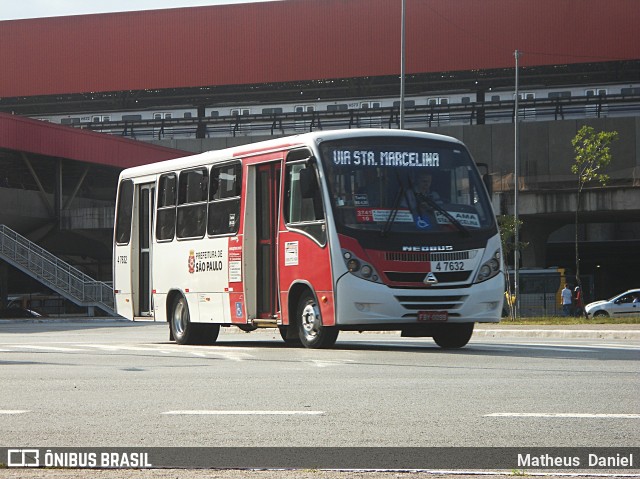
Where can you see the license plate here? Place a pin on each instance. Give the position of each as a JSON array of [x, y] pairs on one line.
[[433, 316], [451, 266]]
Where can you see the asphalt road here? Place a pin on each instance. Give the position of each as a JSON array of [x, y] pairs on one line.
[[120, 384]]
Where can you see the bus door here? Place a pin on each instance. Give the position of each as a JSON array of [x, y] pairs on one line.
[[266, 208], [143, 305]]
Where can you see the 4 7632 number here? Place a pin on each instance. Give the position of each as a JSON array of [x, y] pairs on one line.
[[448, 266]]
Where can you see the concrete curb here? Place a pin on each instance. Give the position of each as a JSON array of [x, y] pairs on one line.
[[558, 333], [490, 330]]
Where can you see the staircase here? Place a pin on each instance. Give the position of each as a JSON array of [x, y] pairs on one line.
[[54, 273]]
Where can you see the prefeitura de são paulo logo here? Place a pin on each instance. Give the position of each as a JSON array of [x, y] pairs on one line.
[[192, 261]]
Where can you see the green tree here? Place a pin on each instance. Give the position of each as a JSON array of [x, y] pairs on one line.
[[507, 224], [592, 157]]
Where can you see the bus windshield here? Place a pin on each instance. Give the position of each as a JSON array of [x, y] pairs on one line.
[[404, 185]]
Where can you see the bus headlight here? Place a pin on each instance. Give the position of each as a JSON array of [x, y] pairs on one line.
[[489, 269], [366, 271], [359, 268]]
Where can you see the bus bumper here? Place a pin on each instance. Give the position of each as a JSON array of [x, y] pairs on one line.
[[374, 304]]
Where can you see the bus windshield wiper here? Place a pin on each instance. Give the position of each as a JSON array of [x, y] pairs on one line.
[[435, 206], [394, 212]]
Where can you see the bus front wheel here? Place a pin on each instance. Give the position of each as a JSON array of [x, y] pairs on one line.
[[290, 337], [453, 336], [311, 330]]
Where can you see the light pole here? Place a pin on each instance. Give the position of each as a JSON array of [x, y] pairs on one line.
[[516, 252], [402, 64]]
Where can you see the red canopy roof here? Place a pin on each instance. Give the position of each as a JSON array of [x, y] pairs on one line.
[[43, 138]]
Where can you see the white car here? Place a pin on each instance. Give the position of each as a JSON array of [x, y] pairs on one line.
[[624, 304]]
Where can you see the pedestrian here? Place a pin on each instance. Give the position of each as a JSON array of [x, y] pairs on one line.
[[567, 296], [579, 303]]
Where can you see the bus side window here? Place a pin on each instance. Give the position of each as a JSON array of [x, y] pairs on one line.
[[124, 212], [193, 186], [303, 195], [166, 216], [224, 199], [303, 208]]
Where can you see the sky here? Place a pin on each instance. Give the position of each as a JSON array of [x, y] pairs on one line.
[[18, 9]]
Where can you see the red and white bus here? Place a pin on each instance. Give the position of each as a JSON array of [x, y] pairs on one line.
[[311, 234]]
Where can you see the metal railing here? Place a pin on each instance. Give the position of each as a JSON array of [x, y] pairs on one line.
[[53, 272], [423, 116]]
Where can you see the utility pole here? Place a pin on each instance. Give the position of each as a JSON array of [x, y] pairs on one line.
[[516, 249]]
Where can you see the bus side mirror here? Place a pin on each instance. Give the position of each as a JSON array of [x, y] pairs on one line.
[[308, 183], [486, 177], [488, 183]]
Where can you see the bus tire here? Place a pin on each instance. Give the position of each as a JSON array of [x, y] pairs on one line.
[[207, 333], [291, 339], [310, 328], [182, 329], [453, 336]]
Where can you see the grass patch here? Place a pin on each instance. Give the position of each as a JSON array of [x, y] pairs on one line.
[[559, 320]]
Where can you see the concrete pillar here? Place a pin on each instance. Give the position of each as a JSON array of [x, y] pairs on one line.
[[58, 191], [536, 233], [4, 284], [201, 130]]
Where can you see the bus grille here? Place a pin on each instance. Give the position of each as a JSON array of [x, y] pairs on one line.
[[431, 303], [420, 257], [454, 255], [406, 257]]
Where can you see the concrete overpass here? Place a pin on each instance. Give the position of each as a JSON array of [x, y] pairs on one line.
[[607, 231]]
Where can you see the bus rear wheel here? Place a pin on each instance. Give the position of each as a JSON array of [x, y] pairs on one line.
[[186, 332], [453, 336], [313, 334]]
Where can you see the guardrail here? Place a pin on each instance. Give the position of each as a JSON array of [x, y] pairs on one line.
[[53, 272]]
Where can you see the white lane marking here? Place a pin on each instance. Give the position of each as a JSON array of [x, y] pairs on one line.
[[13, 411], [563, 415], [243, 413], [120, 347], [47, 348], [232, 354], [323, 363]]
